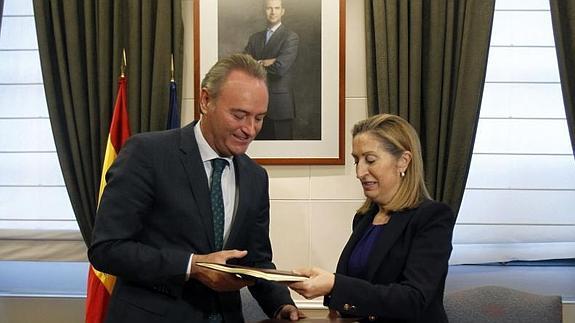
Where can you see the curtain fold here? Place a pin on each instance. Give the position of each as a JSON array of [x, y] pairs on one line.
[[80, 45], [563, 20], [1, 13], [426, 62]]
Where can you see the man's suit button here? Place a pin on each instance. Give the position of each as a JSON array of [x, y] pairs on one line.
[[371, 318]]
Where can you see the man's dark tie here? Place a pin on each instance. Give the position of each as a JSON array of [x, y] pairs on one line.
[[218, 213]]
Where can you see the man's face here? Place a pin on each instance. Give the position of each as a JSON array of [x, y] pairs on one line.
[[232, 121], [274, 12]]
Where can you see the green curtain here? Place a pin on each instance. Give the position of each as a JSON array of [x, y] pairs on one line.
[[563, 19], [426, 62], [80, 45]]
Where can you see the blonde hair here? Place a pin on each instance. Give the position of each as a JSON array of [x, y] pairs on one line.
[[397, 136], [217, 75]]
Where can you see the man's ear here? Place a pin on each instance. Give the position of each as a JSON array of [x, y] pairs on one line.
[[404, 160], [205, 99]]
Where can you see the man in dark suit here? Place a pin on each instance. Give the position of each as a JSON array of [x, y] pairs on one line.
[[276, 49], [158, 217]]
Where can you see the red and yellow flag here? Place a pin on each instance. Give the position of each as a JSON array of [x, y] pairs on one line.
[[100, 285]]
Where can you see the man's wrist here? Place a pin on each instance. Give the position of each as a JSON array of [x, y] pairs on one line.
[[193, 267], [189, 269]]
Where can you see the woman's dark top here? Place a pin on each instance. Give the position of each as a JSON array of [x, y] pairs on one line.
[[357, 266]]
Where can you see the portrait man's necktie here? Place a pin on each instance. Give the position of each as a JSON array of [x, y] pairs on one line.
[[269, 35], [218, 213]]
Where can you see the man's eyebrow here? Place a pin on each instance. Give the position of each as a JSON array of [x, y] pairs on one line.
[[241, 110], [238, 110]]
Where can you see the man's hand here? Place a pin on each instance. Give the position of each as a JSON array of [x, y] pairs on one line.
[[290, 312], [216, 280], [267, 62]]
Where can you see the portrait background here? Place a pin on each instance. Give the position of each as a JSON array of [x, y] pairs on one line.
[[237, 20]]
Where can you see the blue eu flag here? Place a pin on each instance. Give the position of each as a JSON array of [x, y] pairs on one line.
[[173, 113]]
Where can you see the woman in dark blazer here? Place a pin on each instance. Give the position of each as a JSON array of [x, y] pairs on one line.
[[393, 267]]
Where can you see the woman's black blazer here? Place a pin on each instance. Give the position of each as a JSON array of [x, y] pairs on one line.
[[406, 270]]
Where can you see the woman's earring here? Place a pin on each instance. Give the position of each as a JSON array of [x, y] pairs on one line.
[[402, 174]]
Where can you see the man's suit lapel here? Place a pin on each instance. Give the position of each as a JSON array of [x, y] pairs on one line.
[[243, 181], [276, 36], [260, 43], [192, 162]]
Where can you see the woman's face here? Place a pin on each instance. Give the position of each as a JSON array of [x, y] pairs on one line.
[[377, 170]]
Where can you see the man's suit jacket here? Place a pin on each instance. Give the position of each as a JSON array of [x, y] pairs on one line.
[[406, 270], [283, 46], [155, 211]]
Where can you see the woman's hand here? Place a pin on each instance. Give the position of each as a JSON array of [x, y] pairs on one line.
[[320, 283]]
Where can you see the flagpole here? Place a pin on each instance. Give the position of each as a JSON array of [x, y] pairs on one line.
[[172, 68], [124, 62]]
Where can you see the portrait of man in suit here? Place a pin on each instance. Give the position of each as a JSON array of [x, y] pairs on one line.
[[276, 48], [285, 37]]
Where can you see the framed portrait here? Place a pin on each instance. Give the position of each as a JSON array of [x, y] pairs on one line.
[[301, 43]]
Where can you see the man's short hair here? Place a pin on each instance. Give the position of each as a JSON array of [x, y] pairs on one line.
[[217, 75]]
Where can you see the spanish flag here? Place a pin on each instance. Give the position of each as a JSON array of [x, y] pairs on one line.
[[100, 285]]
